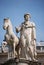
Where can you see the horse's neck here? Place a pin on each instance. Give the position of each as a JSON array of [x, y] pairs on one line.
[[9, 30]]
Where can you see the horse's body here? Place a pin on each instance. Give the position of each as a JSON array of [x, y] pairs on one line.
[[10, 37]]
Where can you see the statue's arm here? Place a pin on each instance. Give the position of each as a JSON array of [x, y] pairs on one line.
[[34, 31], [18, 29]]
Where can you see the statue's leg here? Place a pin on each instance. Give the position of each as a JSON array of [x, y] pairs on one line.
[[23, 50], [29, 45], [23, 40], [32, 52], [35, 53]]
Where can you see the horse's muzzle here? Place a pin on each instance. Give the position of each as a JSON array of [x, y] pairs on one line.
[[4, 27]]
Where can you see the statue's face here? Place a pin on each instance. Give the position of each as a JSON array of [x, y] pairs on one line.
[[5, 25], [27, 17]]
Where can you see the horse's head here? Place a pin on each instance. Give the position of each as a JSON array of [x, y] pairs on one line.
[[6, 23]]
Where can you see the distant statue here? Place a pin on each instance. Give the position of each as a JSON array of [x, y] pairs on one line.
[[27, 38], [11, 39]]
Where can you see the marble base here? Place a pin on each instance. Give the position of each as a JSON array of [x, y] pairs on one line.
[[27, 62], [20, 62]]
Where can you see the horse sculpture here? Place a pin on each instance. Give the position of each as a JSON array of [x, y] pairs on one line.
[[11, 39]]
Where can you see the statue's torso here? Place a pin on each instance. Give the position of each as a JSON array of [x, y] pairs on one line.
[[26, 28]]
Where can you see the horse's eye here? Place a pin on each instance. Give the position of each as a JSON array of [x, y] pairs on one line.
[[5, 21]]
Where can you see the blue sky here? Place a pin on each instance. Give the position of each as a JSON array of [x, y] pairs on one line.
[[15, 10]]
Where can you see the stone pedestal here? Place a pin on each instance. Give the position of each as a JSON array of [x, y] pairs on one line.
[[20, 62], [27, 62]]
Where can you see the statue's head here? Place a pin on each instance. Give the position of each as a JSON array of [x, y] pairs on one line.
[[6, 23], [27, 16]]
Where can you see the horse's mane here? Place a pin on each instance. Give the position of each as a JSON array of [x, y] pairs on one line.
[[10, 24]]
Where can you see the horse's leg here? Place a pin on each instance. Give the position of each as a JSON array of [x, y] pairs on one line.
[[18, 49], [14, 51]]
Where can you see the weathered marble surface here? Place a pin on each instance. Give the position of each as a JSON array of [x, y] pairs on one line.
[[20, 62], [27, 43]]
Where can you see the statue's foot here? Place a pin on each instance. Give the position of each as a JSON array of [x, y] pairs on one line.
[[35, 54], [34, 59], [28, 58]]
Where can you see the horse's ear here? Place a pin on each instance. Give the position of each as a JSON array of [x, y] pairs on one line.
[[6, 19]]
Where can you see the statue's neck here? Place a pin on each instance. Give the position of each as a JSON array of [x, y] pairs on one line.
[[26, 21], [9, 30]]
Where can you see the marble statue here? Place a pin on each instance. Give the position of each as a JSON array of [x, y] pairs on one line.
[[11, 39], [27, 45]]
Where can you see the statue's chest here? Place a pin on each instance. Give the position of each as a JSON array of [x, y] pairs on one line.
[[28, 31], [8, 37], [27, 28]]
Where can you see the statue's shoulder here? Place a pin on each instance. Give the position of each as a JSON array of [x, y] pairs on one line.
[[32, 23], [23, 23]]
